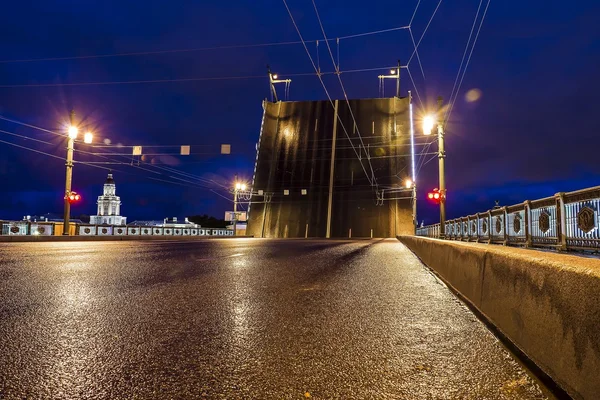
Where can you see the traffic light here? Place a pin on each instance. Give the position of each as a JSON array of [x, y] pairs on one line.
[[73, 197], [436, 196]]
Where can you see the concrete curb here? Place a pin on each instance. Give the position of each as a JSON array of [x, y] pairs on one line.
[[29, 239], [547, 305]]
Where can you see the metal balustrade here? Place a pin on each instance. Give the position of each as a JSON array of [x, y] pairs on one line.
[[26, 228], [566, 221]]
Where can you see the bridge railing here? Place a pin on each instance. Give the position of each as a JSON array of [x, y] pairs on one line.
[[26, 228], [564, 221]]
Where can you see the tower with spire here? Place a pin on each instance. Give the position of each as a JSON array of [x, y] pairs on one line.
[[109, 206]]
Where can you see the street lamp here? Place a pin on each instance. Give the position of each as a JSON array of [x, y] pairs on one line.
[[428, 123], [394, 74], [72, 133], [237, 187]]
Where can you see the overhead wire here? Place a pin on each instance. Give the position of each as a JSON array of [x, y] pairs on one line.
[[322, 83], [178, 80], [412, 38], [465, 52], [26, 137], [225, 47], [468, 60], [33, 150], [425, 31], [373, 177], [414, 13], [415, 87], [77, 150]]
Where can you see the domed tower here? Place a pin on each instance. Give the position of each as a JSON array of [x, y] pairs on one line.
[[109, 205]]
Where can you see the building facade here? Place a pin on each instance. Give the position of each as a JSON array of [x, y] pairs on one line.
[[109, 206], [333, 170]]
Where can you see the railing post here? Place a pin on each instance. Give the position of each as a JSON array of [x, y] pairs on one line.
[[561, 222], [527, 213], [505, 222], [477, 227], [468, 228], [489, 226]]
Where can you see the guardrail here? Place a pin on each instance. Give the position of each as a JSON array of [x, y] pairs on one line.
[[565, 221], [26, 228]]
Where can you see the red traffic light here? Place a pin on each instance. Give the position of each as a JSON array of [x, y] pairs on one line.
[[73, 197], [435, 196]]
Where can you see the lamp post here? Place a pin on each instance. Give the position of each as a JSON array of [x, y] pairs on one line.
[[394, 74], [428, 124], [410, 184], [238, 186], [72, 133]]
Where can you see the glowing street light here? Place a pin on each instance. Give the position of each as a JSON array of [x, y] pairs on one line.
[[73, 131], [428, 124], [237, 187], [88, 137], [408, 183]]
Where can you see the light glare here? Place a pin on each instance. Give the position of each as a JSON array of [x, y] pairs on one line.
[[428, 123], [408, 183], [73, 131], [88, 137]]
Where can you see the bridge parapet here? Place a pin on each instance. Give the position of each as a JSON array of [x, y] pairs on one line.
[[565, 221]]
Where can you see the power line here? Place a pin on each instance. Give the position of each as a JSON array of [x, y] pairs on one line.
[[93, 164], [180, 80], [344, 91], [217, 78], [469, 59], [322, 83], [425, 31], [412, 38], [26, 137], [415, 87], [30, 126], [414, 13], [465, 52], [226, 47], [33, 150]]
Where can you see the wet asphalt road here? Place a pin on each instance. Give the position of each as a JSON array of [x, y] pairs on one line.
[[240, 319]]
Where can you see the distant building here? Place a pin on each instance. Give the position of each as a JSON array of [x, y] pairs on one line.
[[50, 217], [167, 223], [109, 206]]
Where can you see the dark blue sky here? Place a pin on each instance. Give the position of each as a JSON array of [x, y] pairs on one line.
[[531, 134]]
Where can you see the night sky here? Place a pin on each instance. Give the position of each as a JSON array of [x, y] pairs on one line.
[[532, 133]]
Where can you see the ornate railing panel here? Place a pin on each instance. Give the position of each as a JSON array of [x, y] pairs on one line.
[[497, 226], [564, 221], [543, 227], [582, 220], [483, 223]]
